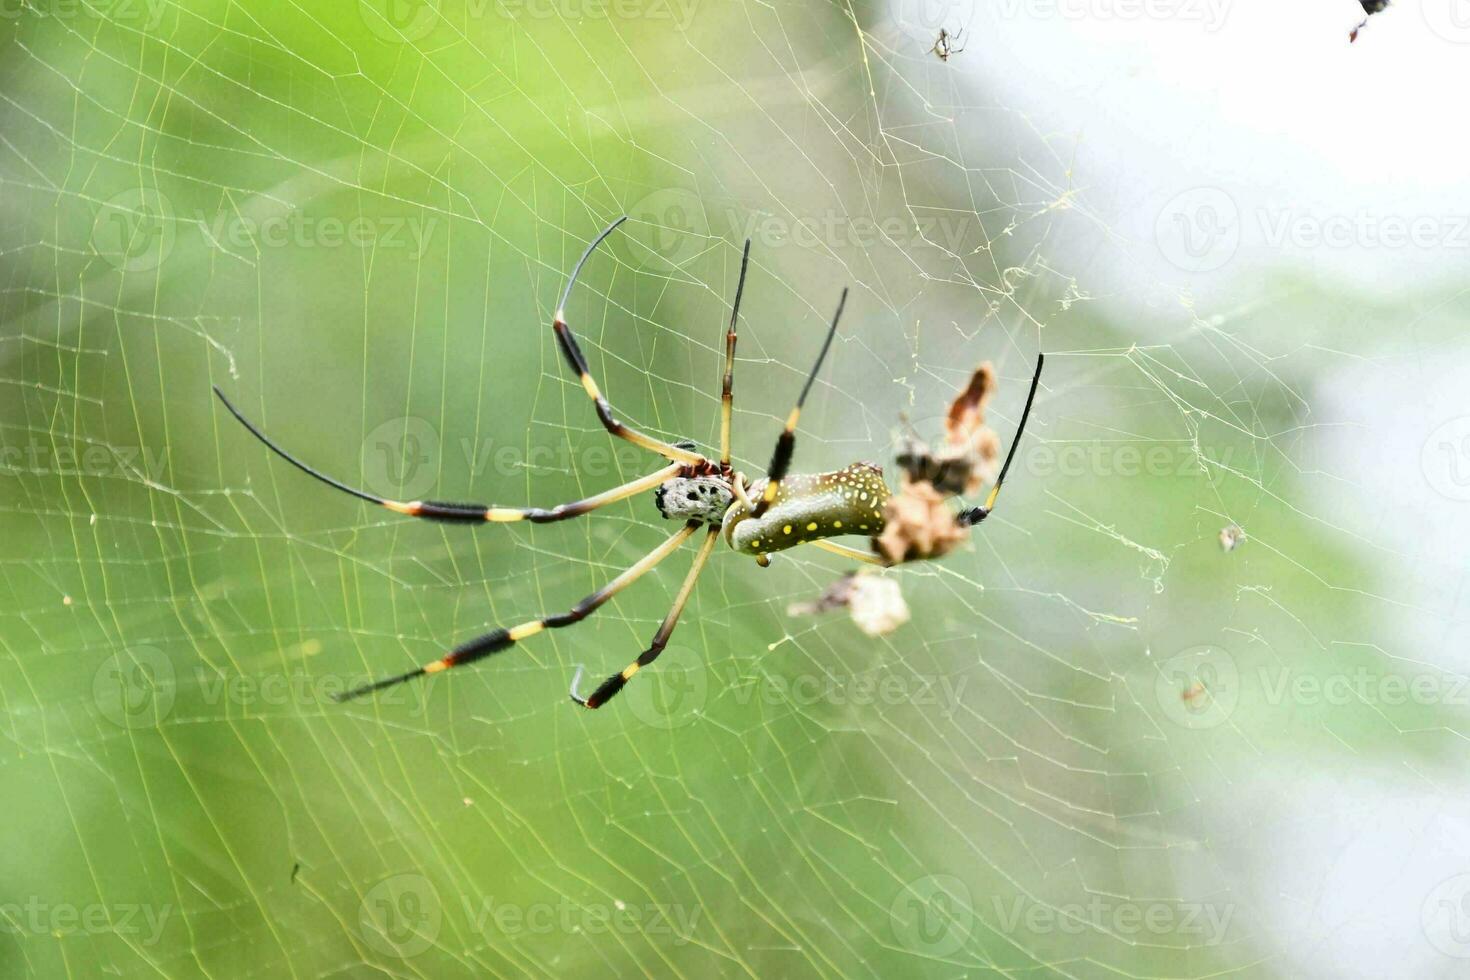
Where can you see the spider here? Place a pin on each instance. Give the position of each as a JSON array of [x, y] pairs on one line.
[[755, 519], [944, 45], [1370, 7]]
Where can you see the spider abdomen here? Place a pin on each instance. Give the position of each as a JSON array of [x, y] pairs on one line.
[[809, 507]]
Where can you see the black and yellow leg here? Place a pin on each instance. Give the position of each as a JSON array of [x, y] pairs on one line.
[[469, 513], [454, 513], [502, 639], [610, 687], [786, 442], [975, 515], [578, 362], [727, 389]]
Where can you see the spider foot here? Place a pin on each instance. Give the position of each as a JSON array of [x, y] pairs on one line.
[[577, 680], [971, 517]]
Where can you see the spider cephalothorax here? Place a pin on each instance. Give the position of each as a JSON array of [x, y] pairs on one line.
[[699, 492], [694, 498], [780, 512]]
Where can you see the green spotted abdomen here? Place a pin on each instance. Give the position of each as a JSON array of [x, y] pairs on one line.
[[809, 507]]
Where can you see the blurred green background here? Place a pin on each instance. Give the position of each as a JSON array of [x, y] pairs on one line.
[[1082, 757]]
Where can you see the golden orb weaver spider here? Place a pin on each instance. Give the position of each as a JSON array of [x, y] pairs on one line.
[[786, 511]]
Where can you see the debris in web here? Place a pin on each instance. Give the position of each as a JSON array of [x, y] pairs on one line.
[[919, 523], [965, 461], [1231, 537], [836, 596], [875, 603]]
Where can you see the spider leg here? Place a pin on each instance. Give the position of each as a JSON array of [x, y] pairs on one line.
[[786, 442], [501, 639], [610, 687], [853, 553], [738, 486], [462, 513], [727, 390], [975, 515], [578, 362]]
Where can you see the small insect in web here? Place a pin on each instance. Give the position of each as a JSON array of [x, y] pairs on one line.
[[755, 519], [1232, 536], [1370, 7], [944, 45]]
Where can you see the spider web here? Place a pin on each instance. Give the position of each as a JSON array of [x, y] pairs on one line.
[[1088, 754]]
